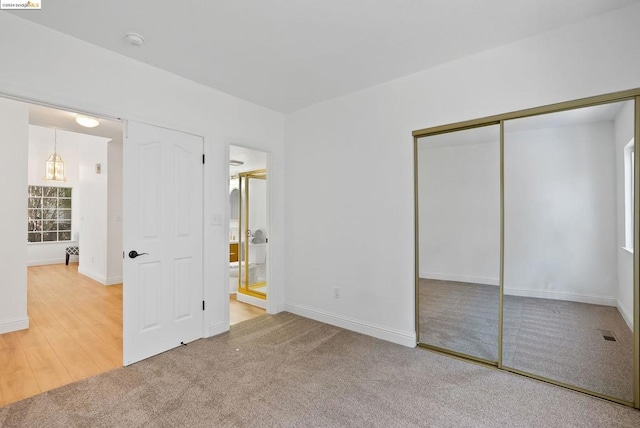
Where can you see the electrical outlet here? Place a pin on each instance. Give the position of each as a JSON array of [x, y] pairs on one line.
[[336, 292]]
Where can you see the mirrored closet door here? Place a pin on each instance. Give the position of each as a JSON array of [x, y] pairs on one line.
[[458, 186], [568, 269], [526, 243]]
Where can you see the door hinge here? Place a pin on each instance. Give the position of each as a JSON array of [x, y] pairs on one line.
[[123, 254], [203, 305], [203, 158]]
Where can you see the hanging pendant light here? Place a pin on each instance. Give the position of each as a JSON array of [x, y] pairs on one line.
[[54, 170]]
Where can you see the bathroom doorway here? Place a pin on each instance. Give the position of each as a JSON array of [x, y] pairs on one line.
[[248, 232]]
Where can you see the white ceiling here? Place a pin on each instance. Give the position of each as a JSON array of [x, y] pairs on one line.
[[288, 54]]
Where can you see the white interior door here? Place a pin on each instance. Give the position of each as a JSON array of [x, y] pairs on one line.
[[162, 222]]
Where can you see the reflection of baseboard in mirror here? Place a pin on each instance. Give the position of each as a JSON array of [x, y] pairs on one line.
[[460, 278], [561, 295], [522, 220]]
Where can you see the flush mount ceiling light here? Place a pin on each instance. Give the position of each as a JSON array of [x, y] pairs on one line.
[[235, 162], [54, 167], [134, 38], [87, 122]]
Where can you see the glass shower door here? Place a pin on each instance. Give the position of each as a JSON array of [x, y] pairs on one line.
[[252, 236]]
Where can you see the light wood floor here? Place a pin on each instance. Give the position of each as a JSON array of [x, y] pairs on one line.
[[75, 332], [239, 311]]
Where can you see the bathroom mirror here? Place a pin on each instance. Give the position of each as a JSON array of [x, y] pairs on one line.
[[234, 200], [568, 262], [458, 212]]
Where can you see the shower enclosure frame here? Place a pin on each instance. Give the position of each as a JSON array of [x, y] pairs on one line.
[[245, 233]]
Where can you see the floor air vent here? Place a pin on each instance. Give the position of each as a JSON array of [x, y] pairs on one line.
[[608, 335]]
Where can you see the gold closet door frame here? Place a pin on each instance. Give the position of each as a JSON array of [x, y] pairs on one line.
[[629, 95]]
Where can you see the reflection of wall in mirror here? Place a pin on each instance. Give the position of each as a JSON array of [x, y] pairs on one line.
[[560, 213], [459, 208]]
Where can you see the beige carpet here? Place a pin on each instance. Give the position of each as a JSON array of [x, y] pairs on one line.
[[285, 370], [551, 338]]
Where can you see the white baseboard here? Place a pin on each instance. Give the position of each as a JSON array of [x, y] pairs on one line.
[[218, 328], [460, 278], [15, 324], [251, 300], [390, 335], [96, 277], [628, 318], [114, 280], [46, 262], [280, 308], [557, 295]]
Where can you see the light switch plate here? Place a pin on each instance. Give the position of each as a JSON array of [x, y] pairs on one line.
[[216, 219]]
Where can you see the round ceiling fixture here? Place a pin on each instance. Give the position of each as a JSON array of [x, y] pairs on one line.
[[135, 39], [233, 162], [87, 122]]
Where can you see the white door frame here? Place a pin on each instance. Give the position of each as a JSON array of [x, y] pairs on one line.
[[270, 302]]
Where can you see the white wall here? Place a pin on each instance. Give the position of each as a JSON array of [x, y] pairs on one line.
[[560, 213], [114, 212], [86, 77], [350, 163], [41, 141], [14, 135], [93, 207], [459, 207], [624, 128]]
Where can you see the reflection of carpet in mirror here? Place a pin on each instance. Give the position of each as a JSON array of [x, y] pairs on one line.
[[459, 316], [555, 339]]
